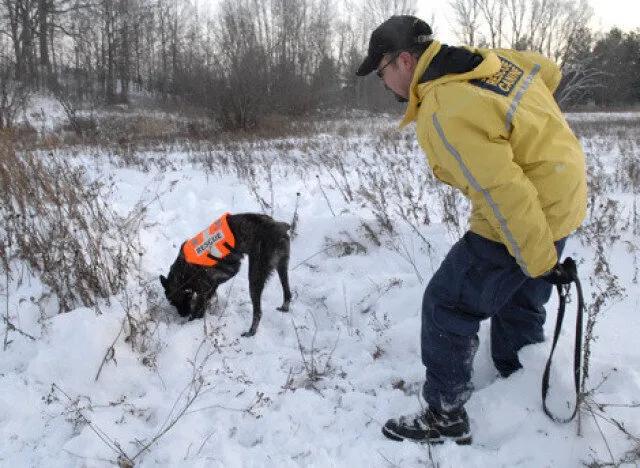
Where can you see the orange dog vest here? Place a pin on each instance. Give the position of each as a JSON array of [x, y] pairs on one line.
[[210, 243]]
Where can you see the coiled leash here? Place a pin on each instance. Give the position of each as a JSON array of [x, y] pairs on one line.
[[571, 270]]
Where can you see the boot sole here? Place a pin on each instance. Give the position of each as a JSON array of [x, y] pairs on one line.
[[460, 440]]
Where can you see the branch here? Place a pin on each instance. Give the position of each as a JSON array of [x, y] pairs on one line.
[[196, 386], [12, 327], [108, 441], [109, 355]]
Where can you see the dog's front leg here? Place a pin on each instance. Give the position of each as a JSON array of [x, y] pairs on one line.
[[184, 307], [283, 266], [202, 299]]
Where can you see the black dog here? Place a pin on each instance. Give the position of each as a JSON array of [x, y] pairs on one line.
[[209, 259]]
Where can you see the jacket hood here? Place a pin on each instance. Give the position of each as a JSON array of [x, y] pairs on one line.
[[489, 65]]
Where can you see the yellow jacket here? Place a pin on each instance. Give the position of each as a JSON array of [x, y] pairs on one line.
[[497, 134]]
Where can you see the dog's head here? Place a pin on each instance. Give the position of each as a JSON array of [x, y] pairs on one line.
[[178, 293]]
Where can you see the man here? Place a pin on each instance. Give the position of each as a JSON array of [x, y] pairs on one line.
[[489, 125]]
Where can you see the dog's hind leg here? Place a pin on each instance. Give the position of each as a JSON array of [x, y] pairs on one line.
[[258, 273], [283, 273]]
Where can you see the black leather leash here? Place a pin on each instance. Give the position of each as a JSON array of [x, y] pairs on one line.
[[563, 290]]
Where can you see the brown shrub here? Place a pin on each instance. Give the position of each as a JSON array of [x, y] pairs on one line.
[[59, 224]]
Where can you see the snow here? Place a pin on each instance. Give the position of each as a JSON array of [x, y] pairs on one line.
[[43, 112], [602, 116], [357, 318]]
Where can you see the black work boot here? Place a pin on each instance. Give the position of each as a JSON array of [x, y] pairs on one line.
[[430, 426]]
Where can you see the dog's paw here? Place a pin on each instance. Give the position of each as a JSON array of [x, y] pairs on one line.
[[283, 308], [248, 333]]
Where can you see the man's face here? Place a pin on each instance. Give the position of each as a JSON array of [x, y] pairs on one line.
[[396, 71]]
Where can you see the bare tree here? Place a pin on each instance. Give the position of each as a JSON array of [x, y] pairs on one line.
[[546, 26], [376, 11], [516, 11], [240, 56], [43, 8], [550, 27], [21, 17], [467, 17], [13, 96], [124, 51], [579, 80], [493, 13], [244, 60]]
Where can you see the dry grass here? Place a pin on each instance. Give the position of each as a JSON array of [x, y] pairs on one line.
[[59, 224]]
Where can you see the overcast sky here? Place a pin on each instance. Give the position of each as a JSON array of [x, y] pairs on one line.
[[607, 13]]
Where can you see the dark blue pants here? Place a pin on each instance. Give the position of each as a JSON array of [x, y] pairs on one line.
[[478, 279]]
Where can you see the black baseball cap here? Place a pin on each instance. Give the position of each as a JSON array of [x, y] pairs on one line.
[[401, 32]]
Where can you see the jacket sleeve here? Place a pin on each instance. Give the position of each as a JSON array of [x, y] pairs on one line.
[[484, 167], [549, 71]]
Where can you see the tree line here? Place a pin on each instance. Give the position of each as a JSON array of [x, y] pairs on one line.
[[244, 60]]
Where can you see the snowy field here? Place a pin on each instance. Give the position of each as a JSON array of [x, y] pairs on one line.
[[129, 380]]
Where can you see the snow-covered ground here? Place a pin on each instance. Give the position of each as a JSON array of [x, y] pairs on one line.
[[314, 386], [602, 116]]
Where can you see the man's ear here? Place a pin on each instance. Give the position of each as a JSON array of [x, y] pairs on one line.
[[163, 280], [407, 59]]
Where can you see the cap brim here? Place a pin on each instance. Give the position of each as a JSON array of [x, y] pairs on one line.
[[370, 63]]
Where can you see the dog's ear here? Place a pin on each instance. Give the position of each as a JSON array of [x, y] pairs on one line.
[[163, 280]]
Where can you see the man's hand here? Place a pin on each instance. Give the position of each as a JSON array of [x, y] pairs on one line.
[[562, 273]]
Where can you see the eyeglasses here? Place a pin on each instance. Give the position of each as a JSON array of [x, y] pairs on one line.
[[391, 60]]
